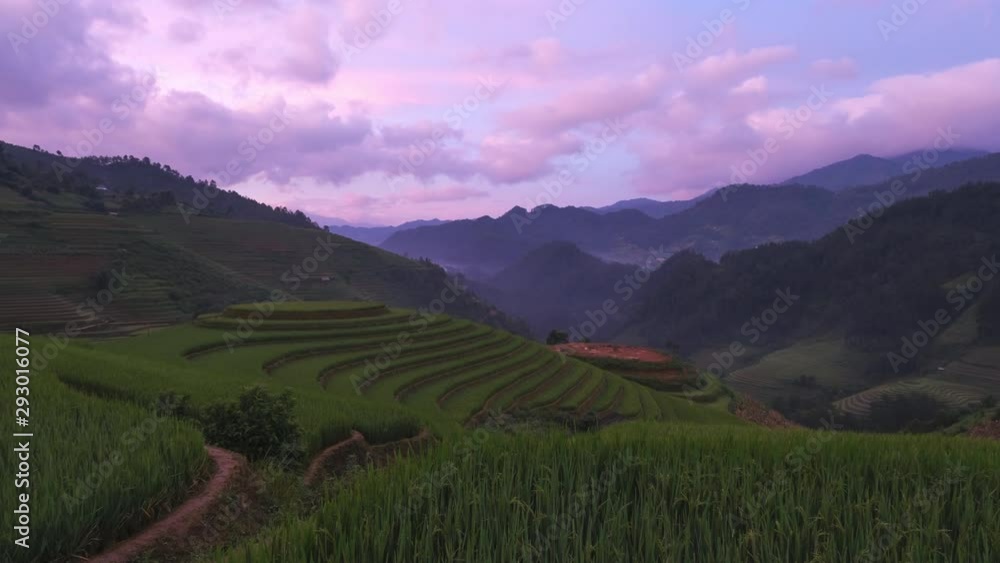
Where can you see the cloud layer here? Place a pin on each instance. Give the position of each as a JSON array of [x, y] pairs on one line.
[[390, 110]]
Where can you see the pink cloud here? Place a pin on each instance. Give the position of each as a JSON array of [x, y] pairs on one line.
[[844, 68], [754, 85], [185, 30], [732, 65], [508, 159], [590, 103], [882, 121]]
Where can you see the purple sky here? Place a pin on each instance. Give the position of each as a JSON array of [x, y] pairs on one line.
[[383, 111]]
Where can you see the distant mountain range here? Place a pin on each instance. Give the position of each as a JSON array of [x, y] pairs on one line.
[[377, 235], [865, 169], [482, 247], [732, 218], [651, 207]]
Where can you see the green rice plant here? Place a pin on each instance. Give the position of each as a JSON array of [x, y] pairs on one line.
[[581, 374], [650, 408], [576, 398], [99, 470], [233, 323], [652, 492], [307, 310]]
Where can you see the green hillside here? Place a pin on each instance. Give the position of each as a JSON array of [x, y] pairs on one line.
[[117, 273], [124, 183]]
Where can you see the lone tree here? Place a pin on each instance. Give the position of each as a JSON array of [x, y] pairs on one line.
[[557, 337]]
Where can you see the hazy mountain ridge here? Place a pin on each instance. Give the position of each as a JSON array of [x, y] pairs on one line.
[[554, 285], [731, 218], [865, 169], [653, 208], [377, 235]]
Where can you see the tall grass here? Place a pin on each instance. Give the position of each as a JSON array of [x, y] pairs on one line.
[[99, 470], [651, 492]]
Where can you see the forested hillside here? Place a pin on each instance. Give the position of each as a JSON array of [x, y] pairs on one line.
[[101, 183], [873, 291]]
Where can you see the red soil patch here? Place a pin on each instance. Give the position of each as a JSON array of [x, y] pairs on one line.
[[990, 429], [617, 351], [176, 526]]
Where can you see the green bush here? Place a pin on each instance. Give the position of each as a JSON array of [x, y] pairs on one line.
[[259, 425]]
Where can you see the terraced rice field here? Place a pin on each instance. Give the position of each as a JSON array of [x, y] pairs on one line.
[[449, 372], [978, 368], [952, 394], [830, 362]]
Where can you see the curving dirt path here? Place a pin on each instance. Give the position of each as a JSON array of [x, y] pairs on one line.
[[336, 452], [177, 526], [179, 523], [339, 454]]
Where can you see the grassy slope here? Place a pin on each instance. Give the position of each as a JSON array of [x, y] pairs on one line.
[[653, 492], [472, 365], [54, 263], [80, 439]]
